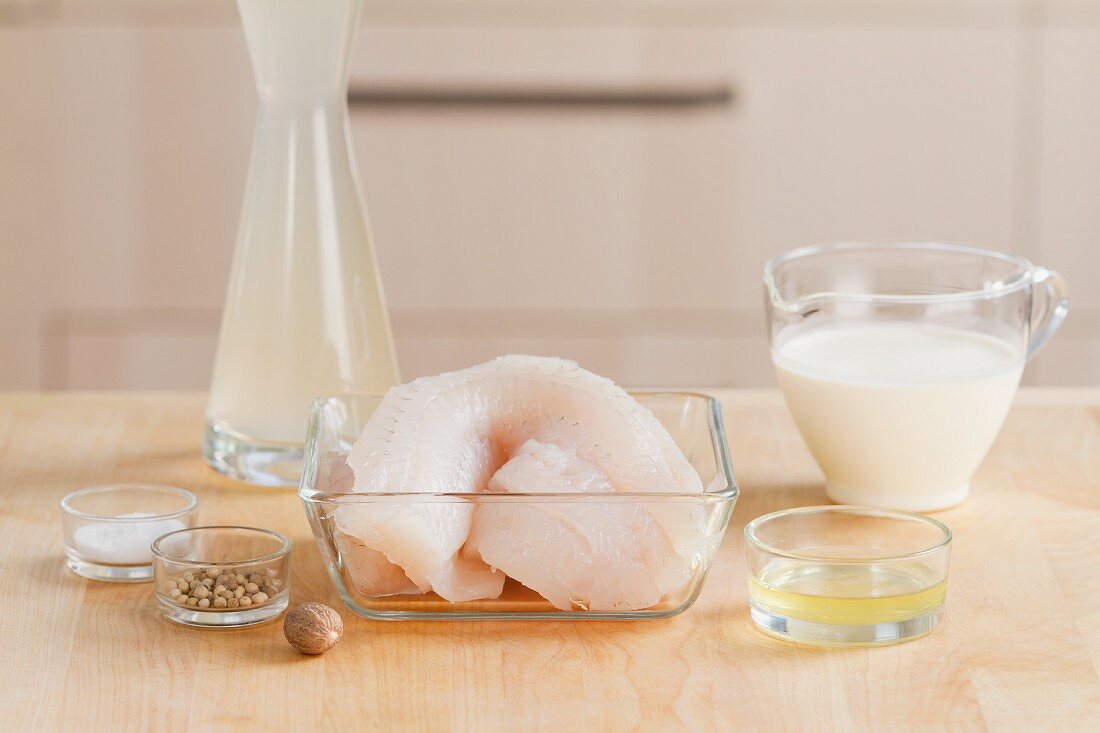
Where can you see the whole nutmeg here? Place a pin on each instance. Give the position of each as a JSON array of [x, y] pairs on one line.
[[313, 628]]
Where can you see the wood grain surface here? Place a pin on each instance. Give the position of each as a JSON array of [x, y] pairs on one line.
[[1019, 648]]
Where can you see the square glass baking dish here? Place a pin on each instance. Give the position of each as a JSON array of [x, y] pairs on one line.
[[693, 420]]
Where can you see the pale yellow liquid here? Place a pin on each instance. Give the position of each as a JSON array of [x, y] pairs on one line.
[[855, 595]]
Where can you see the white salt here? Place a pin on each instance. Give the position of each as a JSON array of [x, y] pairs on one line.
[[121, 543]]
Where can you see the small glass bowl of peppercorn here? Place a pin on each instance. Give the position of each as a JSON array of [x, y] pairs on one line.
[[224, 577]]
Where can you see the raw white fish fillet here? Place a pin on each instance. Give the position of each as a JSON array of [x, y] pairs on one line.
[[417, 543], [599, 556], [468, 431], [370, 573]]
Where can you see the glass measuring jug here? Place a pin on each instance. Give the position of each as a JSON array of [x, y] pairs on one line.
[[898, 362]]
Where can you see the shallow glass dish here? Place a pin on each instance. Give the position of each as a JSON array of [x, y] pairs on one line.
[[223, 577], [847, 575], [109, 529], [694, 421]]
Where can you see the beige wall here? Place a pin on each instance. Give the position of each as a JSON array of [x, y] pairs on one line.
[[630, 239]]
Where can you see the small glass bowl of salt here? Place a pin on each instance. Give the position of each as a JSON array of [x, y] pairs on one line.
[[109, 530]]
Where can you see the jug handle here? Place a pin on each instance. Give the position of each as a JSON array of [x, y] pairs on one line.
[[1049, 305]]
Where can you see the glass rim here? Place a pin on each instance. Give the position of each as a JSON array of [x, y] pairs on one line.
[[1022, 279], [314, 496], [895, 514], [730, 491], [67, 507], [283, 550]]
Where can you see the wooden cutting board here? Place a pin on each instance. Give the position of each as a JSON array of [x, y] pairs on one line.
[[1019, 648]]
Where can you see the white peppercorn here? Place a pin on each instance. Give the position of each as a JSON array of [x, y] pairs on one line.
[[218, 589]]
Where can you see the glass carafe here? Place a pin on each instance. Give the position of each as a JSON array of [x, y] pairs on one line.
[[304, 315]]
